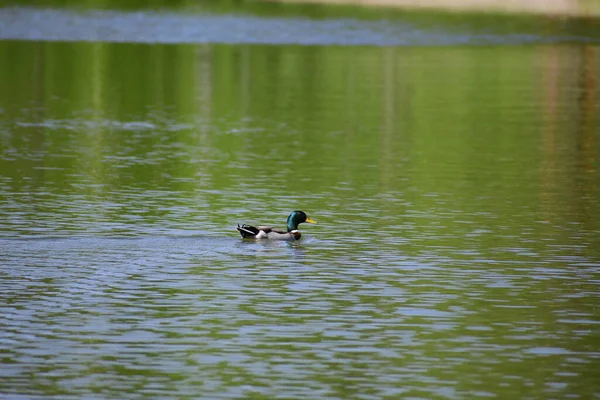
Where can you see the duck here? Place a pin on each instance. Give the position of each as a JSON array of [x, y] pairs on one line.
[[266, 232]]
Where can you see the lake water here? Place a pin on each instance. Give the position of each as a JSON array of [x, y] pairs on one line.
[[452, 163]]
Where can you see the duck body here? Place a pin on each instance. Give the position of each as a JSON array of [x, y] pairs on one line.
[[267, 232]]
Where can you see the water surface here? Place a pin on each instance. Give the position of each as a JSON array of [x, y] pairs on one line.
[[456, 187], [392, 28]]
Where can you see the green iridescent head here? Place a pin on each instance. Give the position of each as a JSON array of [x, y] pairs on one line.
[[296, 218]]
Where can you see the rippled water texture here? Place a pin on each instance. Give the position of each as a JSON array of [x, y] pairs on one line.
[[457, 254]]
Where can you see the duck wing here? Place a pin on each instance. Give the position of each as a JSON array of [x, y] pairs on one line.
[[265, 228], [280, 231], [266, 232], [278, 234], [260, 230]]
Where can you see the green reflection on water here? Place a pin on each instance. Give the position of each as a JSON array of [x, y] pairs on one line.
[[485, 128]]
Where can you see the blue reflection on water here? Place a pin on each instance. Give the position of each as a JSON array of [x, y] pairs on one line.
[[169, 27]]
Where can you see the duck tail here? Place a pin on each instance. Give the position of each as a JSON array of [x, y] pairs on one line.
[[247, 230]]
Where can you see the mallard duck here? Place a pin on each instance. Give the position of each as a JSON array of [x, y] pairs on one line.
[[266, 232]]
